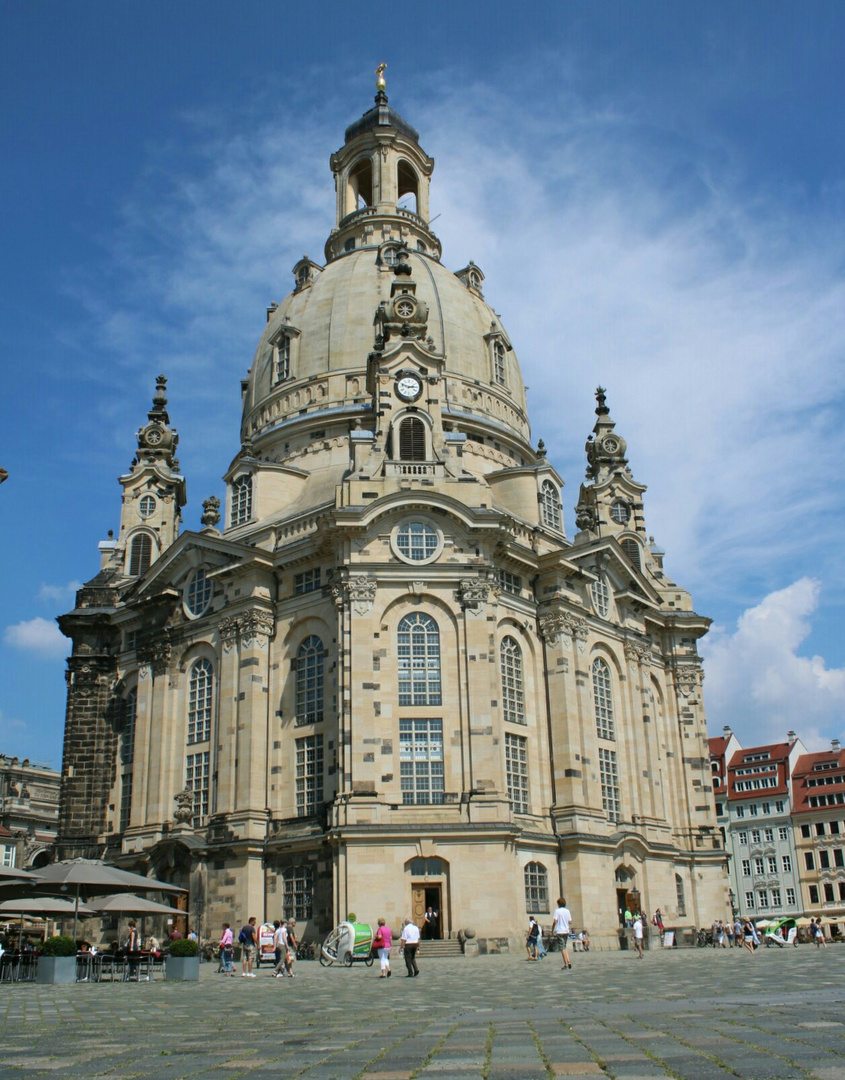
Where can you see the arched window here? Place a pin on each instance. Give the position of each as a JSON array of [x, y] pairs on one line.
[[200, 693], [241, 500], [418, 652], [550, 503], [127, 732], [298, 886], [632, 549], [412, 439], [360, 185], [309, 681], [602, 699], [513, 701], [536, 888], [140, 555], [407, 185]]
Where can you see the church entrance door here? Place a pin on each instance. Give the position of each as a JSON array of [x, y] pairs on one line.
[[423, 897]]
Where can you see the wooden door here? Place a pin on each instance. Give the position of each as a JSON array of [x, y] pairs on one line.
[[418, 905]]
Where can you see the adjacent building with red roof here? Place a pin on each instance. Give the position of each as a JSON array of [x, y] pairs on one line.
[[818, 806]]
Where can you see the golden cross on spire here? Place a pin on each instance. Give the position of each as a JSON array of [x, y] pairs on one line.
[[380, 83]]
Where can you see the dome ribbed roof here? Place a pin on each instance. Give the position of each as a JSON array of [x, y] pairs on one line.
[[333, 326]]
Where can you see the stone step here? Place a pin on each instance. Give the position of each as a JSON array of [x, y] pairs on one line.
[[434, 950]]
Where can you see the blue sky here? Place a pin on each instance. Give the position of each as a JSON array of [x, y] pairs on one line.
[[654, 191]]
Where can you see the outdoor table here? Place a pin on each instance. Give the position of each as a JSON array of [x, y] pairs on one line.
[[87, 967]]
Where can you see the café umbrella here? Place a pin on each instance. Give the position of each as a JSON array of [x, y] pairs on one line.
[[130, 904], [44, 905], [10, 873], [95, 877]]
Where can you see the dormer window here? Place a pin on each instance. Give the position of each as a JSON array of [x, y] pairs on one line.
[[550, 505], [241, 500], [499, 363], [632, 549], [281, 358]]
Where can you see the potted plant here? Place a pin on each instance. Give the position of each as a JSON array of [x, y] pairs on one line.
[[57, 960], [183, 961]]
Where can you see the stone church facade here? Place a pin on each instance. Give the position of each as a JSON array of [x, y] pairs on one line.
[[381, 677]]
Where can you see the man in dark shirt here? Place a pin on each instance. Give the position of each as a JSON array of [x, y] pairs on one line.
[[248, 939]]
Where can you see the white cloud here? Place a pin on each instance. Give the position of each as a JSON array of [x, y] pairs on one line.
[[59, 594], [758, 684], [37, 635]]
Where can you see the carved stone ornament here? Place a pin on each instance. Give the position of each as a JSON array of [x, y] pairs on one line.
[[253, 628], [688, 678], [211, 515], [228, 633], [256, 628], [184, 806], [565, 627], [156, 654], [360, 591], [472, 594], [638, 652]]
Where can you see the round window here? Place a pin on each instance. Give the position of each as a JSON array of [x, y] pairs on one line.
[[620, 512], [146, 506], [405, 308], [198, 592], [417, 542]]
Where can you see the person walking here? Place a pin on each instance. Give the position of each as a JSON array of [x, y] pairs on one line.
[[292, 946], [531, 939], [638, 934], [280, 948], [410, 943], [562, 925], [383, 942], [227, 952], [542, 951], [248, 938], [819, 934]]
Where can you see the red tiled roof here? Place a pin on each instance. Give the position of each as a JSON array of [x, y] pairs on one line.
[[805, 770]]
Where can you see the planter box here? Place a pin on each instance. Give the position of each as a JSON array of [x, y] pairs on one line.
[[56, 969], [182, 968]]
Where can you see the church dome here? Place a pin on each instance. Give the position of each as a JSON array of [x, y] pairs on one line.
[[313, 354], [382, 288]]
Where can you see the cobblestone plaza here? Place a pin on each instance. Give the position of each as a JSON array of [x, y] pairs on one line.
[[696, 1014]]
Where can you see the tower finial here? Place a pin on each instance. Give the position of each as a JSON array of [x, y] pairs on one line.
[[381, 85], [601, 396]]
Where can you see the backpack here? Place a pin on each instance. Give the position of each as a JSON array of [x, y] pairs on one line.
[[242, 938]]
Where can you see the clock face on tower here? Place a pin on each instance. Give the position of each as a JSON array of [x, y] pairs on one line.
[[408, 387], [153, 437]]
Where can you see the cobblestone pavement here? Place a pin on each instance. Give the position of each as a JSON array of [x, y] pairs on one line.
[[695, 1014]]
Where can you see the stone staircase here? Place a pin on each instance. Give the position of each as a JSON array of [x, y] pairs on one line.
[[439, 950]]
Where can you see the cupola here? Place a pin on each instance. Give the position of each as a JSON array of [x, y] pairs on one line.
[[382, 177]]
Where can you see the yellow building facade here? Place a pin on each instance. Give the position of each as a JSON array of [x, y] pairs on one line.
[[382, 678]]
